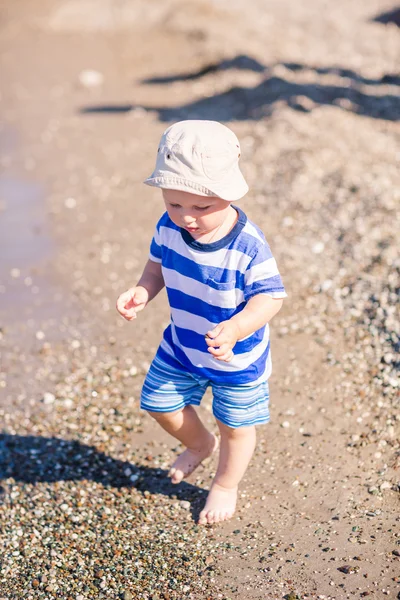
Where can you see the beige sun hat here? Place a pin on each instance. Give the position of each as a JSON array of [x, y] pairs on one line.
[[200, 157]]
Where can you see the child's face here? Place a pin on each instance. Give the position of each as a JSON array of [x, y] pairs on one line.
[[199, 215]]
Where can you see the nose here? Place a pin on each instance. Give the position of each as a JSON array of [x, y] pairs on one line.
[[188, 220]]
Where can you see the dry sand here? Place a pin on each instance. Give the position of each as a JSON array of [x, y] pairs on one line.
[[312, 90]]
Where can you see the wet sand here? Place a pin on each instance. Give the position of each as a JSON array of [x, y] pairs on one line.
[[87, 511]]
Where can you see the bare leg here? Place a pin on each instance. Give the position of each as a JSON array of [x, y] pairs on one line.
[[237, 447], [185, 426]]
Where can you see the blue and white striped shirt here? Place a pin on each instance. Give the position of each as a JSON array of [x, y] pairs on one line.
[[207, 284]]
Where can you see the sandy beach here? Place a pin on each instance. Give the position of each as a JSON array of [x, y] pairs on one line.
[[312, 91]]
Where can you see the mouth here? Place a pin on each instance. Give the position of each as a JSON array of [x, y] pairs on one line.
[[191, 229]]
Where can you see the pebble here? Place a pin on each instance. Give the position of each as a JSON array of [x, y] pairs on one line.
[[48, 398], [70, 202], [347, 569], [386, 485], [90, 78], [318, 248], [337, 197]]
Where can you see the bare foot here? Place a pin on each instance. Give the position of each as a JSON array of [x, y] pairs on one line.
[[189, 460], [220, 505]]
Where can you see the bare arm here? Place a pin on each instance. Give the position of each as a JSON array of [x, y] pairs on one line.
[[259, 310], [152, 279]]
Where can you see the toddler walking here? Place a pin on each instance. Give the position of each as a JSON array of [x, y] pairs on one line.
[[223, 288]]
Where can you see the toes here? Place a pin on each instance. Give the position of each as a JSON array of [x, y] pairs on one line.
[[177, 476], [202, 518], [211, 517], [218, 516]]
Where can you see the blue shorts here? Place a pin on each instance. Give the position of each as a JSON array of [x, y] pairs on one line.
[[167, 389]]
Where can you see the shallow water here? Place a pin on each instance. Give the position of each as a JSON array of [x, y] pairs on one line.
[[25, 243], [23, 238]]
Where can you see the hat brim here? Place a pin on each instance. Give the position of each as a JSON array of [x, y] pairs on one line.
[[231, 190]]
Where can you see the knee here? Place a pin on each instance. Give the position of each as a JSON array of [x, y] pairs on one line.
[[163, 416], [157, 416], [237, 433]]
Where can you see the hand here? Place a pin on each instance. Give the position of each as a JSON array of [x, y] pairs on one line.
[[221, 340], [131, 302]]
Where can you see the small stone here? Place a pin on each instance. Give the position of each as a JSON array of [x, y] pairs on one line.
[[287, 221], [318, 248], [347, 569], [40, 335], [48, 398], [90, 78], [185, 504], [15, 273], [285, 424], [70, 203], [386, 485], [326, 285], [126, 596]]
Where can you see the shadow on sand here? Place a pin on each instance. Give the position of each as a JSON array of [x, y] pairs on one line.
[[391, 16], [33, 459], [253, 103]]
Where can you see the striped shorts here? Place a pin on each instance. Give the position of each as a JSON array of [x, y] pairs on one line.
[[167, 389]]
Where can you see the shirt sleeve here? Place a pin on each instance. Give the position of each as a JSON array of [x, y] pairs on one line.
[[262, 275], [156, 246]]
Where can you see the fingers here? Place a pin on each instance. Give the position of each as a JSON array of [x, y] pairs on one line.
[[217, 339], [224, 352], [220, 340], [122, 302], [213, 333], [128, 304]]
